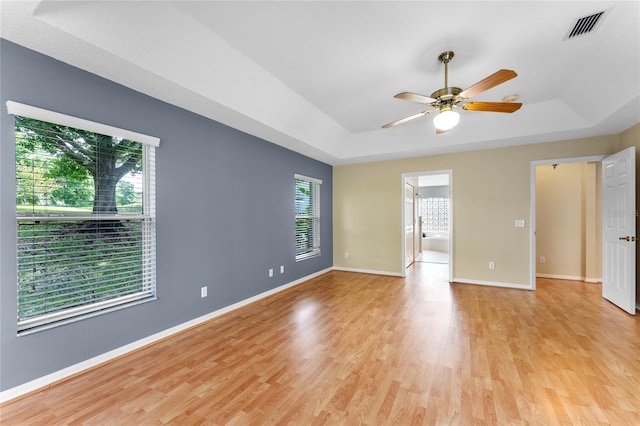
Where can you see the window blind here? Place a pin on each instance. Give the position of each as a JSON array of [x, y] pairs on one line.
[[85, 211], [307, 217]]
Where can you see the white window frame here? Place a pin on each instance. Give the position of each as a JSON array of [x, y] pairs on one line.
[[314, 216], [148, 217]]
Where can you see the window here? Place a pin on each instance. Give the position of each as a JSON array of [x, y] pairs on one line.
[[307, 206], [85, 213], [435, 214]]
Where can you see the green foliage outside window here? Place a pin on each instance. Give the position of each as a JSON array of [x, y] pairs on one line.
[[67, 259]]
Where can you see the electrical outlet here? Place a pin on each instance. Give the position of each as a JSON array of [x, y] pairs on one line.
[[519, 223], [270, 272], [346, 254], [492, 265], [282, 269], [542, 259], [203, 291]]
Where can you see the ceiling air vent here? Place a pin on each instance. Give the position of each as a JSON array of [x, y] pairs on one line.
[[585, 25]]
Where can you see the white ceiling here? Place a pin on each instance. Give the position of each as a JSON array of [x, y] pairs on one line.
[[318, 77]]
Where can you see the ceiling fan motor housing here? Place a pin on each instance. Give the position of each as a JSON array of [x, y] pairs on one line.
[[446, 97], [446, 93]]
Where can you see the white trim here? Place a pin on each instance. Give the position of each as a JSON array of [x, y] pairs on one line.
[[308, 255], [569, 277], [367, 271], [16, 108], [403, 243], [310, 179], [532, 226], [560, 277], [68, 316], [49, 379], [491, 283], [314, 216]]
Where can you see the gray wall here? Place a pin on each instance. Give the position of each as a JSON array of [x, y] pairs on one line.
[[224, 214]]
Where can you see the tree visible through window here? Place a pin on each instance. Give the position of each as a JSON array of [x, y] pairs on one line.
[[307, 207], [85, 222]]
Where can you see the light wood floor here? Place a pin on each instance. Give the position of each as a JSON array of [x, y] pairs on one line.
[[348, 348]]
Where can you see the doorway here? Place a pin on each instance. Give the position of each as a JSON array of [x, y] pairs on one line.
[[569, 221], [557, 172], [617, 230], [428, 219]]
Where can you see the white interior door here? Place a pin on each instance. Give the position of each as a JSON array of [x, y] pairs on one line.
[[417, 229], [619, 229], [409, 245]]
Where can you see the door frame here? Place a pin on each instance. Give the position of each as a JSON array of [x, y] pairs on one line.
[[414, 228], [448, 172], [532, 204]]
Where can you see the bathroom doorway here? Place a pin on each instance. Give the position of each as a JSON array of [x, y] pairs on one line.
[[432, 219]]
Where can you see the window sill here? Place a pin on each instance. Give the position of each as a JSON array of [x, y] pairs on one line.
[[50, 325]]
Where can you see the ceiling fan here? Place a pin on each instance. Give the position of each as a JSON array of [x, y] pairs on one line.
[[448, 98]]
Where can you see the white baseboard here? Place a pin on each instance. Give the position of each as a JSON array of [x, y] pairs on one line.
[[561, 277], [593, 280], [367, 271], [491, 283], [49, 379]]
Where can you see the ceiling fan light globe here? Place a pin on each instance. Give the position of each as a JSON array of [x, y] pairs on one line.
[[446, 120]]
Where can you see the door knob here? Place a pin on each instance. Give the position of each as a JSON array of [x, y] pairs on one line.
[[627, 238]]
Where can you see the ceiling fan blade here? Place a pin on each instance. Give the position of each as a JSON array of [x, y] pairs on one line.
[[414, 97], [440, 131], [492, 106], [493, 80], [411, 117]]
